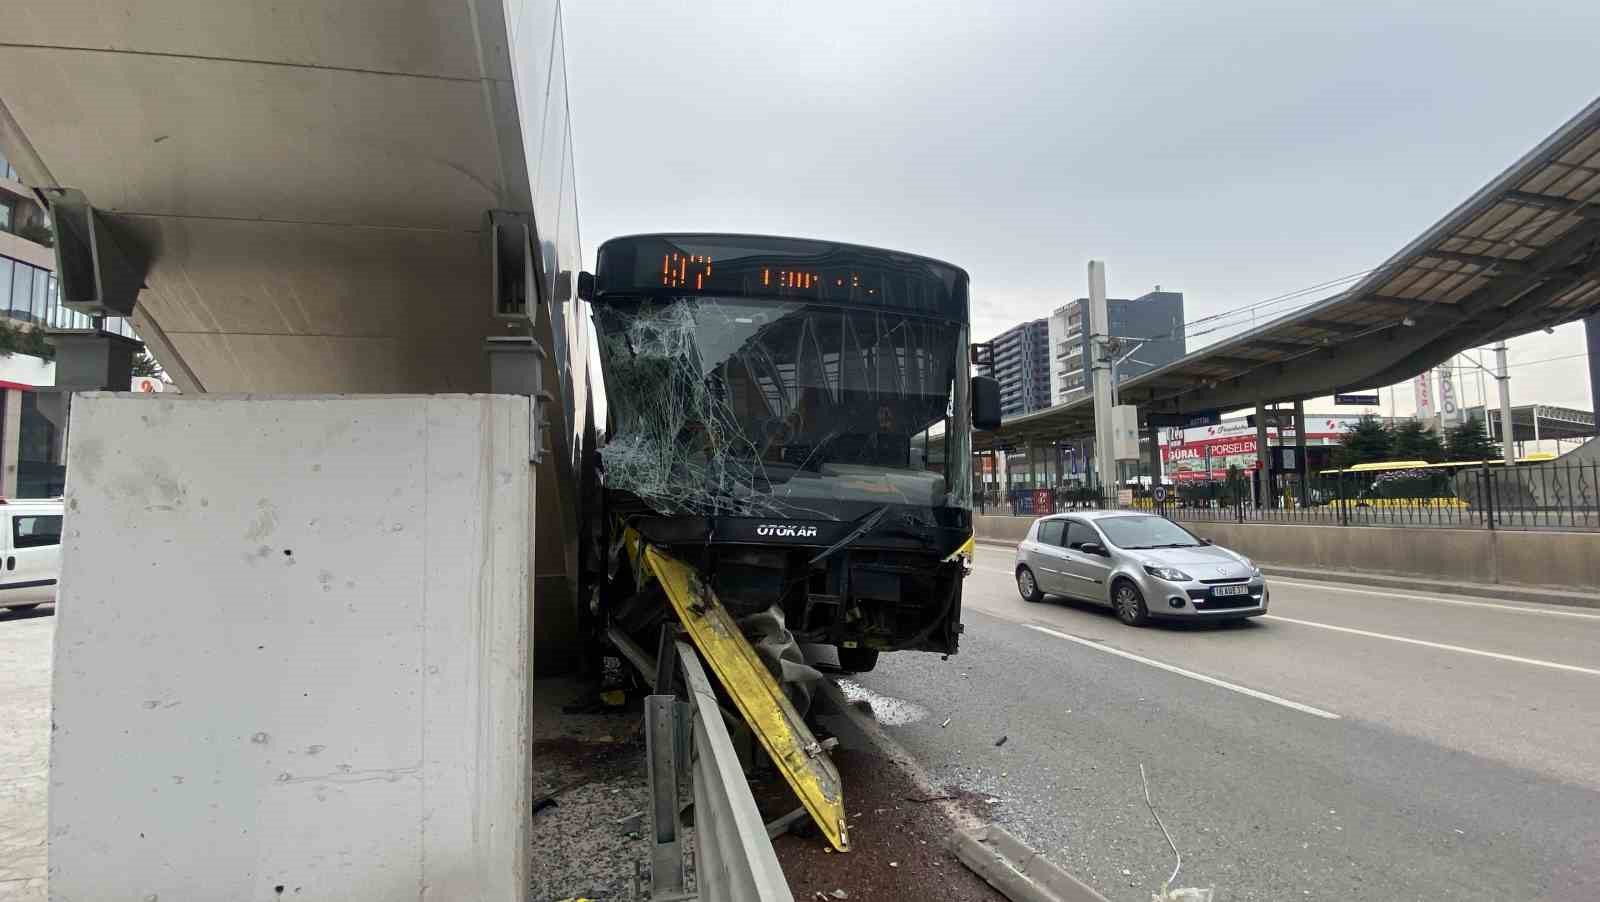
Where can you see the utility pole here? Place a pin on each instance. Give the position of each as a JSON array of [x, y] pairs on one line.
[[1501, 376], [1100, 375]]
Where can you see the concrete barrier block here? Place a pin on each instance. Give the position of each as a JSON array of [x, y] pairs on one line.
[[1001, 528], [1565, 559], [291, 650]]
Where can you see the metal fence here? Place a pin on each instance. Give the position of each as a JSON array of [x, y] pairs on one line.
[[1550, 495], [688, 748]]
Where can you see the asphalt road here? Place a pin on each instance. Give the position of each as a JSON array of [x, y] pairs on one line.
[[1356, 743]]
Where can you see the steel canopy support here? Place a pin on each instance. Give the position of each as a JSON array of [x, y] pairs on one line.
[[1263, 471], [1299, 447], [1591, 328]]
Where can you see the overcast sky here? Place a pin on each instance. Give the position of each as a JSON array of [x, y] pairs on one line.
[[1232, 151]]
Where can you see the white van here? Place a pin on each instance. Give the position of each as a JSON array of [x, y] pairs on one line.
[[30, 552]]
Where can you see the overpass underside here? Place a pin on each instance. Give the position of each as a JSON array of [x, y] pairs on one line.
[[306, 185]]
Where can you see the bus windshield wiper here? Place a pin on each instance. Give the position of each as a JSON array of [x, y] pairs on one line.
[[871, 520]]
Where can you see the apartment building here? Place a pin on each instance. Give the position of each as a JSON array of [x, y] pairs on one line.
[[1150, 328]]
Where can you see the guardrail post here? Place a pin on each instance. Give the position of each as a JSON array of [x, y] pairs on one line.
[[666, 747]]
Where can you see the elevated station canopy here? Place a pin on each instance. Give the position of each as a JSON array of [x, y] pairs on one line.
[[1533, 422], [1520, 254]]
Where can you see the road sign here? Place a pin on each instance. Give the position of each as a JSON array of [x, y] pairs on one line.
[[1357, 400], [1191, 420], [1281, 418]]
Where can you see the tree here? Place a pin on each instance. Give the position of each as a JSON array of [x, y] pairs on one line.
[[1410, 441], [15, 339], [1468, 441], [1367, 441], [33, 342], [145, 366]]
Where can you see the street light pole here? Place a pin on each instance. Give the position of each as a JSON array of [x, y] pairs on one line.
[[1506, 446], [1100, 374]]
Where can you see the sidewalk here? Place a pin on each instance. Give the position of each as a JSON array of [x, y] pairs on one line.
[[25, 639]]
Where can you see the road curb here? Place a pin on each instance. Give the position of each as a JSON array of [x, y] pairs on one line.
[[1003, 861], [1500, 591], [1018, 872]]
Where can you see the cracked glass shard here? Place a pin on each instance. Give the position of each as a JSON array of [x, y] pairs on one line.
[[767, 408]]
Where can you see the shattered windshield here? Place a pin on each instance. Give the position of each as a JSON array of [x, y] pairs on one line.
[[770, 407]]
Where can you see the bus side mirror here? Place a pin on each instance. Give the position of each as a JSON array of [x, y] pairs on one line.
[[586, 286], [985, 395]]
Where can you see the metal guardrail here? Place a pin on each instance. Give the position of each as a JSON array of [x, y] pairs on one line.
[[688, 745], [1550, 495]]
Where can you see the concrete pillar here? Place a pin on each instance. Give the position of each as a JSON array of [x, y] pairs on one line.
[[1033, 465], [1507, 430], [10, 441], [326, 683], [1263, 459]]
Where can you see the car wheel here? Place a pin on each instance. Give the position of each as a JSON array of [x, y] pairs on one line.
[[1027, 586], [1128, 601], [857, 660]]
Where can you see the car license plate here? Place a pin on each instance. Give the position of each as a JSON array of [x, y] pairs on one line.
[[1220, 591]]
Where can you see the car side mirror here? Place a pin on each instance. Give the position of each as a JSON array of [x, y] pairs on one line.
[[1094, 548], [985, 398]]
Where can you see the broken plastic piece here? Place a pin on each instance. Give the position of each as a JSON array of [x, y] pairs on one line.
[[1186, 894]]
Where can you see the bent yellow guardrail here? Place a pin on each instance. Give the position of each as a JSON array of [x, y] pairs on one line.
[[759, 698]]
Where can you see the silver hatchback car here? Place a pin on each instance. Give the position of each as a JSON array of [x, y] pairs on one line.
[[1142, 566]]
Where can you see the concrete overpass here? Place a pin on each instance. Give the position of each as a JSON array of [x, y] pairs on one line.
[[303, 187]]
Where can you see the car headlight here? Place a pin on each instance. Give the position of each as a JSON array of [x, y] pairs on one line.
[[1177, 576], [1254, 570]]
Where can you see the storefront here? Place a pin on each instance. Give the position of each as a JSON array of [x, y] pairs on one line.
[[1206, 453]]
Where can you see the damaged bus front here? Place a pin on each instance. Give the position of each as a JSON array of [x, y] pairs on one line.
[[770, 403]]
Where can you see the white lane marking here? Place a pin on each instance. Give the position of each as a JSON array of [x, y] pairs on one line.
[[1277, 580], [1234, 687], [1536, 662]]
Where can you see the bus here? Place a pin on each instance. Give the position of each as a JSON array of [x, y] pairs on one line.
[[769, 405]]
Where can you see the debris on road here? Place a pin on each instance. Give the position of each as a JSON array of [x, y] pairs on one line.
[[1001, 741], [548, 800], [946, 723], [1167, 894]]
